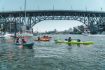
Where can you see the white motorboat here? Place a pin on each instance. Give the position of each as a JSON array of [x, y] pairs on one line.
[[8, 35]]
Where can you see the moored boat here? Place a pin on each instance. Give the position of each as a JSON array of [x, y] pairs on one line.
[[8, 35], [1, 36]]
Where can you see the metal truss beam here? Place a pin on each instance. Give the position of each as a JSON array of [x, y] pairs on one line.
[[93, 20]]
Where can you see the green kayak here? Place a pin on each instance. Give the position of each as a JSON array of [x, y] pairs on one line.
[[74, 42], [26, 45]]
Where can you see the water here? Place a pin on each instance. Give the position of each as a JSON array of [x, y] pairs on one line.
[[51, 56]]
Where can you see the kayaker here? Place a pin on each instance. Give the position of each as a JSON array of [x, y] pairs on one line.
[[69, 39], [23, 41], [17, 40], [38, 38], [44, 36], [78, 40]]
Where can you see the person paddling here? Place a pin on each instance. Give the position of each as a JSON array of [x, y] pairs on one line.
[[69, 39], [78, 40], [38, 38], [17, 40], [23, 41]]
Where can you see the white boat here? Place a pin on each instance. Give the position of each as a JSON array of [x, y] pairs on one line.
[[86, 31], [1, 36], [8, 35], [86, 34], [24, 34]]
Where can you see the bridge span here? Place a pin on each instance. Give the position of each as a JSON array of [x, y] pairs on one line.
[[92, 19], [55, 12]]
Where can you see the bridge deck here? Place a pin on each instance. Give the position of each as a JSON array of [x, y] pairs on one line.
[[54, 12]]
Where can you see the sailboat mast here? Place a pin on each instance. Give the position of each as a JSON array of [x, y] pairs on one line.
[[25, 11]]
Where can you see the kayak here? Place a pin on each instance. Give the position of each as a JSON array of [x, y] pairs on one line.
[[27, 45], [43, 39], [74, 42]]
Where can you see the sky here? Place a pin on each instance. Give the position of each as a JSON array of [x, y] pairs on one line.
[[59, 25], [91, 5]]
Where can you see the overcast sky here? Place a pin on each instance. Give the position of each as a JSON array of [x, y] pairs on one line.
[[91, 5], [48, 4]]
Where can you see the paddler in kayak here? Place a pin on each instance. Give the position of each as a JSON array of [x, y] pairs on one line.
[[17, 40], [38, 38], [69, 39], [23, 41], [78, 40]]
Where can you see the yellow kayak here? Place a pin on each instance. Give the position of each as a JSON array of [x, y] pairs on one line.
[[74, 42]]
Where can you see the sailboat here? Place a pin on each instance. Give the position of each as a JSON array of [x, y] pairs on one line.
[[24, 36], [25, 32]]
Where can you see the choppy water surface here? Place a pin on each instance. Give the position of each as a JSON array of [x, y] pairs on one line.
[[51, 56]]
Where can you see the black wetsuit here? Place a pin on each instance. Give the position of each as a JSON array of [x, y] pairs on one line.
[[69, 40]]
